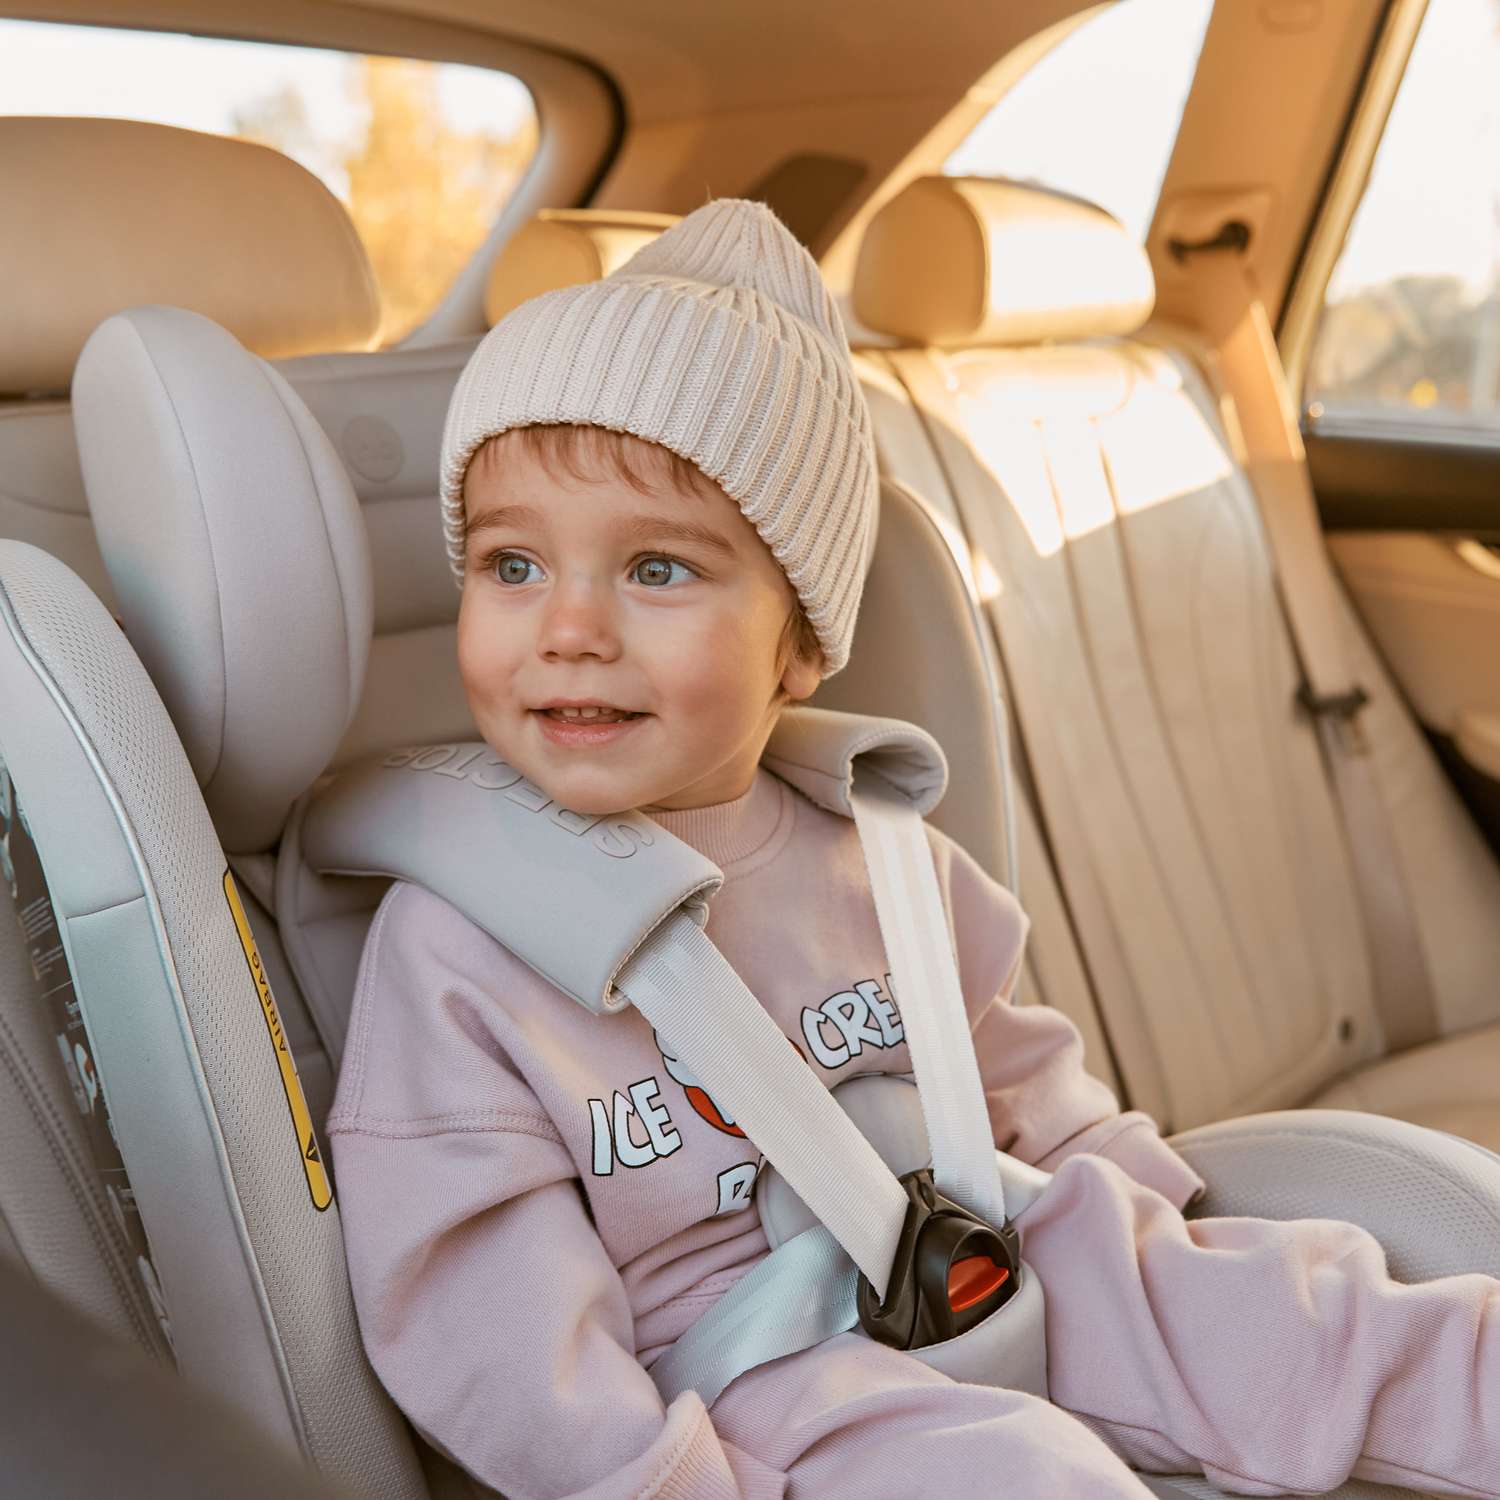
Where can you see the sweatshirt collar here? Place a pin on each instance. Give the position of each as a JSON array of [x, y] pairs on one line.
[[730, 833]]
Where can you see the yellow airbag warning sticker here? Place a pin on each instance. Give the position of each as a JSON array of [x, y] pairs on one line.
[[307, 1141]]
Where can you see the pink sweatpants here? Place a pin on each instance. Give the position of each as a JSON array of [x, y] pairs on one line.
[[1271, 1357]]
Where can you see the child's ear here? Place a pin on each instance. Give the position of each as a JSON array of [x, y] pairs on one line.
[[801, 677]]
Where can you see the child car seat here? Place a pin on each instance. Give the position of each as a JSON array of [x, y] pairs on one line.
[[193, 409]]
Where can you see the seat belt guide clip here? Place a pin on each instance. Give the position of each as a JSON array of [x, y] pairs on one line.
[[1340, 706], [951, 1271]]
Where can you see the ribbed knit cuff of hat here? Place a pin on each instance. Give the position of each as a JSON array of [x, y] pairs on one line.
[[719, 341]]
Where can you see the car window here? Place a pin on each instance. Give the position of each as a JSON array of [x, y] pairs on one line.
[[1097, 115], [1410, 329], [422, 154]]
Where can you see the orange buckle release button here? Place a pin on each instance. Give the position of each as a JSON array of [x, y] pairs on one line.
[[972, 1279]]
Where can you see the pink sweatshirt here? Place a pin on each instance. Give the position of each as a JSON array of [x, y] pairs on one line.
[[537, 1201]]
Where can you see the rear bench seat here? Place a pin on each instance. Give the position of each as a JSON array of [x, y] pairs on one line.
[[1188, 809]]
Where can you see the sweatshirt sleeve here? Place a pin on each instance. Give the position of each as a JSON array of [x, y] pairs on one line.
[[488, 1305], [1044, 1106]]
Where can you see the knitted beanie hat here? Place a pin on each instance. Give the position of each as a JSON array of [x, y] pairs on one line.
[[719, 341]]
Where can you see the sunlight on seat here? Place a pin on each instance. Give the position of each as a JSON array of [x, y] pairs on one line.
[[1080, 483], [1158, 448], [986, 580], [1011, 450]]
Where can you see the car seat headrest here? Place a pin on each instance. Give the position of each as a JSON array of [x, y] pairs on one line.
[[564, 246], [101, 215], [953, 261], [237, 552]]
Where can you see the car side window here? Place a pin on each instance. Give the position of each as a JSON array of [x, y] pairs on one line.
[[1097, 115], [422, 154], [1410, 328]]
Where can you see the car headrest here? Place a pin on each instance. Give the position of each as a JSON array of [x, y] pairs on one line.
[[238, 555], [560, 247], [954, 261], [101, 215]]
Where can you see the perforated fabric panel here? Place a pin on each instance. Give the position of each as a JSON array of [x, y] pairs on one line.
[[292, 1252], [1432, 1200]]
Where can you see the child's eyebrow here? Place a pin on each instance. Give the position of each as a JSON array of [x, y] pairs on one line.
[[660, 528], [498, 516]]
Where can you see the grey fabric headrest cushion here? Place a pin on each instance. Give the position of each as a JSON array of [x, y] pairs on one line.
[[237, 551]]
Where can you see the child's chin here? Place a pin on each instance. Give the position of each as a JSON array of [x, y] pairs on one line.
[[594, 799]]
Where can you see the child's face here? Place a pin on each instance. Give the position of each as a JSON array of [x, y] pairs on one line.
[[666, 613]]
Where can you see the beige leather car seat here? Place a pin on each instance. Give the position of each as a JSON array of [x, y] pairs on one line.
[[1186, 803]]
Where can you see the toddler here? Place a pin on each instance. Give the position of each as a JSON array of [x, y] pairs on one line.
[[659, 495]]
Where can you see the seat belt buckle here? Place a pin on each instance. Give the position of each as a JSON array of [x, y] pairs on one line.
[[951, 1271], [1340, 710]]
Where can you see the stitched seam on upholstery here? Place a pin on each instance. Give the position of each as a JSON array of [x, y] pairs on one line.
[[120, 905], [206, 781], [33, 502]]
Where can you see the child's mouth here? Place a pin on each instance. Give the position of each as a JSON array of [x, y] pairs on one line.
[[586, 726], [593, 714]]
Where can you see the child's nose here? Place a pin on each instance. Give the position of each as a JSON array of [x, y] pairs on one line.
[[577, 622]]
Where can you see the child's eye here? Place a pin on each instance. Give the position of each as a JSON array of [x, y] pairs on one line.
[[660, 572], [511, 567]]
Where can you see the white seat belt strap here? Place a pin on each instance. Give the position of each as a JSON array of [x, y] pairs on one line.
[[914, 928], [686, 988], [1231, 314]]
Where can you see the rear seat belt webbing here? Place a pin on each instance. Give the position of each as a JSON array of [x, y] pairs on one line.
[[1233, 317], [914, 928], [686, 988]]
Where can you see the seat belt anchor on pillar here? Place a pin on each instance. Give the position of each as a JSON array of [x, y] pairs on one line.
[[1341, 710], [950, 1273], [1234, 234]]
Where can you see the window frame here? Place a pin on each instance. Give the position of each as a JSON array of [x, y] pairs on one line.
[[1334, 216], [579, 111]]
